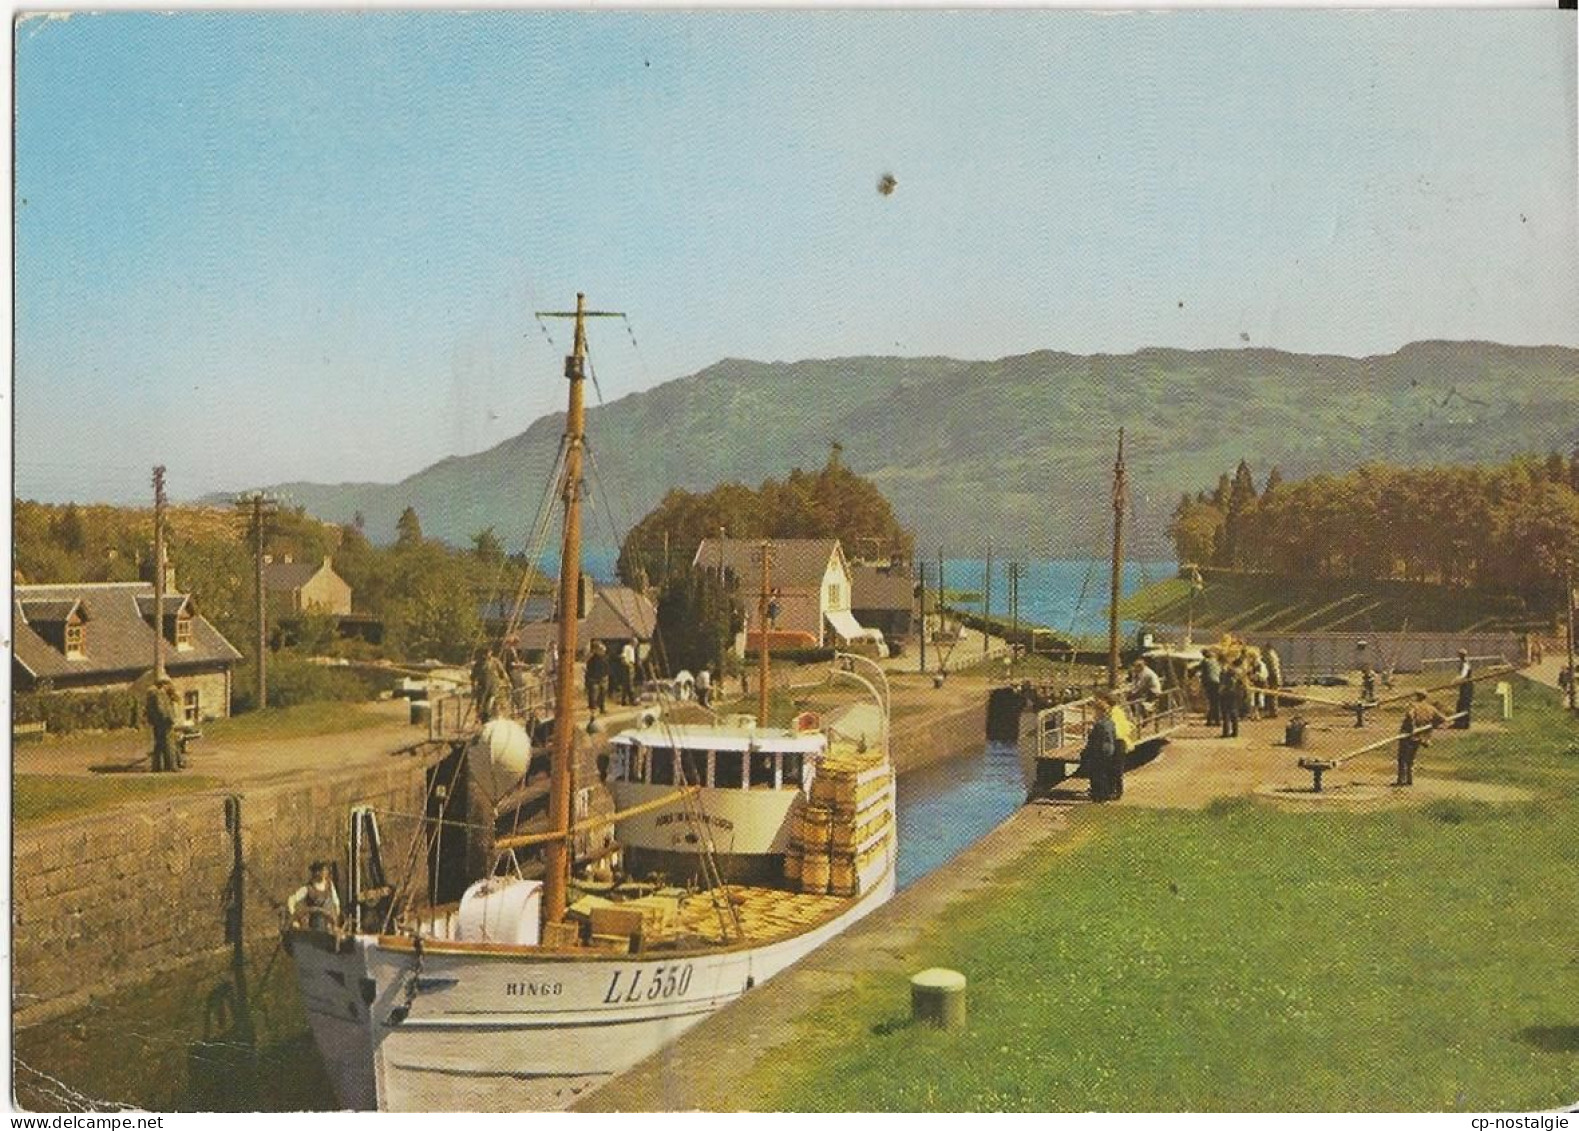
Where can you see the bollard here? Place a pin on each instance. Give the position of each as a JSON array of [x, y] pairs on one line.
[[1505, 694], [937, 997]]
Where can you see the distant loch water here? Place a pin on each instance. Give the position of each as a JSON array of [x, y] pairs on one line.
[[1068, 595]]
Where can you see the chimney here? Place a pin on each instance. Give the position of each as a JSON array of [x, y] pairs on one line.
[[169, 578], [328, 562]]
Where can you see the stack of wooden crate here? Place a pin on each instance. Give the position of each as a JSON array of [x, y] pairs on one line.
[[846, 824]]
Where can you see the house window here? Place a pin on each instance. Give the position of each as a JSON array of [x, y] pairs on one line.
[[183, 633], [191, 708], [835, 595], [74, 639]]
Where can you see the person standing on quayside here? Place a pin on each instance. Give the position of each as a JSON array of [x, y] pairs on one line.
[[1234, 686], [1413, 733], [628, 676], [1211, 685], [597, 675], [1274, 677], [1096, 757], [1123, 743], [160, 706], [1466, 691]]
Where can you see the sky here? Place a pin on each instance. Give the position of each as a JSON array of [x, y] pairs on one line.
[[268, 247]]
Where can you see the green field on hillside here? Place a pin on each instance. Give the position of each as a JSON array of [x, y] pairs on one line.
[[1245, 958], [1265, 603]]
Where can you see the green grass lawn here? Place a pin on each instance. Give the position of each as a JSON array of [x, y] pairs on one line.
[[1244, 958], [301, 721], [41, 797]]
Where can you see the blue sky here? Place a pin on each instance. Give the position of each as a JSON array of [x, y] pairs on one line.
[[263, 247]]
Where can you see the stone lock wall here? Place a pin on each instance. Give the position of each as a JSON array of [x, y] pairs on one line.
[[108, 901]]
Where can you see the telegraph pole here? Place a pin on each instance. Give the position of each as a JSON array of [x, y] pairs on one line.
[[922, 567], [1568, 591], [765, 552], [159, 505], [1014, 611], [1120, 499], [986, 602], [261, 506]]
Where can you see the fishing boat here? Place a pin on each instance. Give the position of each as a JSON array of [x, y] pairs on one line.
[[733, 849]]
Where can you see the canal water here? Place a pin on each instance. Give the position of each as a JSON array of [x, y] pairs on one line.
[[944, 808], [231, 1036]]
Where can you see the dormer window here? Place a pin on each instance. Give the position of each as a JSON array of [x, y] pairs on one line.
[[76, 635], [183, 633]]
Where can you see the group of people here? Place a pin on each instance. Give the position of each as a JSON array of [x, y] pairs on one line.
[[606, 671], [1242, 686]]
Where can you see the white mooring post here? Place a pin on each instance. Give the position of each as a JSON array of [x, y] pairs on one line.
[[937, 997], [1505, 696]]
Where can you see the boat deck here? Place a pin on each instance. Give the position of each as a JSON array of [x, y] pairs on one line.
[[765, 913]]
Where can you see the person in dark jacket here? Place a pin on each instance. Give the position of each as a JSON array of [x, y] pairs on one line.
[[1233, 696], [1211, 685], [597, 679], [1100, 751], [163, 709]]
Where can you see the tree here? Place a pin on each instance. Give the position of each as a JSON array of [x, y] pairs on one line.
[[697, 617], [487, 548], [408, 529]]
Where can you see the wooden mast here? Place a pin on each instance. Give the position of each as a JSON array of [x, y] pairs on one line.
[[1120, 500], [556, 857]]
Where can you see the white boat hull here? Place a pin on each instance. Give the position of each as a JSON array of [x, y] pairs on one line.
[[477, 1028]]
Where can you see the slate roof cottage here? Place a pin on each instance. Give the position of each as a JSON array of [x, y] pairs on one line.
[[100, 636]]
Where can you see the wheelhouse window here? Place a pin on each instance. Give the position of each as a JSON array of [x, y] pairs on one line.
[[762, 769], [662, 766], [75, 637], [693, 764], [729, 769], [792, 763]]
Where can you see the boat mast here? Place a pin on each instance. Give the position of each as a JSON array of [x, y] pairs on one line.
[[1120, 500], [556, 856]]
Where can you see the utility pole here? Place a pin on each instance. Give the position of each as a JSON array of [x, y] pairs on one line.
[[1120, 500], [261, 506], [1568, 591], [159, 505], [986, 602], [922, 567], [942, 593], [765, 553], [1014, 610]]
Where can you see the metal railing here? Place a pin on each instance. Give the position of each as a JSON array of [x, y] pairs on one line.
[[1063, 728]]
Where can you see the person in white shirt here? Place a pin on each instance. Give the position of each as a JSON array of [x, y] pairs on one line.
[[704, 687]]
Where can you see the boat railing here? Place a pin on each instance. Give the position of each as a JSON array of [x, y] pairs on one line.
[[454, 715], [1066, 725]]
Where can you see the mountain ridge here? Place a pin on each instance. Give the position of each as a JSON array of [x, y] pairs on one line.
[[1018, 448]]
